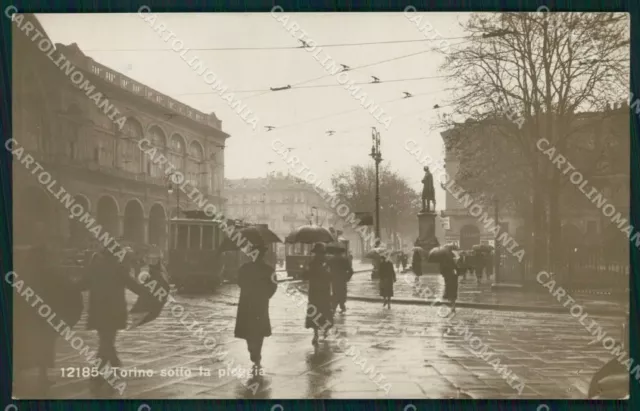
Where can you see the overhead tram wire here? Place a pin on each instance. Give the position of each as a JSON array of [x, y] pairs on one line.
[[284, 48], [323, 85], [354, 68]]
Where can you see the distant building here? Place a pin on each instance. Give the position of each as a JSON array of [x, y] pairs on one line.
[[284, 203], [101, 165], [600, 151]]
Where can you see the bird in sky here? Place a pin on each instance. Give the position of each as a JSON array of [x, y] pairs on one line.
[[407, 94], [375, 79], [345, 67], [330, 132], [304, 43], [269, 128]]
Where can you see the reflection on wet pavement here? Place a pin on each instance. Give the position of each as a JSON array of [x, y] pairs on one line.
[[416, 351]]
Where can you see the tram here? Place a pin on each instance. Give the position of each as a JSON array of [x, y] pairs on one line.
[[195, 259]]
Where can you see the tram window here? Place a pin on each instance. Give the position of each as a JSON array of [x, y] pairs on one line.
[[194, 237], [183, 233], [207, 237]]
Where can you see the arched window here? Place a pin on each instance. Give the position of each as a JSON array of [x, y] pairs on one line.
[[177, 153], [159, 141], [130, 155], [197, 172], [73, 122]]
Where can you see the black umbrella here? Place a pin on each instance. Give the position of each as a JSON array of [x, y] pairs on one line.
[[149, 304], [336, 246], [482, 248], [259, 236], [310, 234]]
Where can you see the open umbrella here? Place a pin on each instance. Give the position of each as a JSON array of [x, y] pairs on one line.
[[336, 246], [259, 236], [149, 305], [310, 234], [441, 254], [483, 248]]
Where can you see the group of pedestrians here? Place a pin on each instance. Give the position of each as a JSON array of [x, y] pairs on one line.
[[328, 273]]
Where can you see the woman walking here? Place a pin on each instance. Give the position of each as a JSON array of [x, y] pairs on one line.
[[416, 263], [256, 289], [341, 273], [319, 309], [448, 271], [106, 282], [387, 278]]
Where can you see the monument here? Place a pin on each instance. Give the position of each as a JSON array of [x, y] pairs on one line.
[[427, 222]]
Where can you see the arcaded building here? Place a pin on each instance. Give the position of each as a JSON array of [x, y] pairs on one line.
[[69, 132]]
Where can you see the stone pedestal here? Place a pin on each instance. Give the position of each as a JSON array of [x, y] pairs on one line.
[[427, 240]]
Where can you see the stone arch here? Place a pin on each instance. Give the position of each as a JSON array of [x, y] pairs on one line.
[[157, 231], [195, 172], [469, 236], [133, 229], [107, 215], [130, 157], [158, 139], [79, 235]]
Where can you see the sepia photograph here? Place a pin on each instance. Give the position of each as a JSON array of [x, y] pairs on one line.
[[284, 205]]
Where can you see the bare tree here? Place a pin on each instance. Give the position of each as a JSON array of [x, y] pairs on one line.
[[528, 76]]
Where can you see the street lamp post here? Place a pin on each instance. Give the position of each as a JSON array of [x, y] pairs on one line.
[[377, 158], [496, 262]]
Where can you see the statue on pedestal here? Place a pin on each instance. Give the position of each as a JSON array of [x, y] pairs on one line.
[[428, 192]]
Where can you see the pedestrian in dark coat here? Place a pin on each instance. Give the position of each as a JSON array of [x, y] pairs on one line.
[[448, 271], [257, 286], [319, 309], [387, 278], [341, 273], [479, 264], [416, 263], [404, 259], [34, 334], [106, 280]]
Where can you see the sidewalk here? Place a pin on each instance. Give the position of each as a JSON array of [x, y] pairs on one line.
[[482, 296]]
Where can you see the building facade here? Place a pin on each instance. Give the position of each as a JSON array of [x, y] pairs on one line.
[[94, 159], [284, 203], [582, 222]]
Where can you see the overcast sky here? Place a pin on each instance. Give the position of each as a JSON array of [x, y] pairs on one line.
[[106, 37]]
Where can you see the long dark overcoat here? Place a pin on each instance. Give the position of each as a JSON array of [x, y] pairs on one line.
[[341, 272], [387, 278], [34, 335], [319, 277], [256, 288], [106, 279], [416, 263], [448, 271]]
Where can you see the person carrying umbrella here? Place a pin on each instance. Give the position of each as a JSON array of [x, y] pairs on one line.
[[387, 278], [106, 280], [256, 289], [447, 259], [341, 273], [416, 262], [448, 269], [319, 308]]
